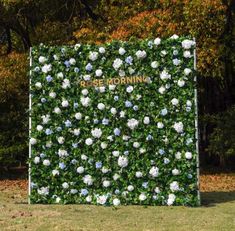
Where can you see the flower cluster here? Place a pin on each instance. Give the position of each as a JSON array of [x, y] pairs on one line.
[[114, 144]]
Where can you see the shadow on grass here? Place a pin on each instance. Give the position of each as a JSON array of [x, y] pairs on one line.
[[209, 199]]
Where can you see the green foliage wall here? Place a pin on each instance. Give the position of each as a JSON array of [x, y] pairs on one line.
[[114, 144]]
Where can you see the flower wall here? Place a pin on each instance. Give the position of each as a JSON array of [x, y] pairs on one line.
[[114, 142]]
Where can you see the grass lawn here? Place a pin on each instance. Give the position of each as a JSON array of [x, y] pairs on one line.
[[216, 213]]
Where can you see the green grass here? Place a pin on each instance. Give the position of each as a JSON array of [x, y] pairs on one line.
[[216, 213]]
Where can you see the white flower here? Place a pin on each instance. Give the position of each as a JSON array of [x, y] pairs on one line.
[[112, 87], [163, 53], [76, 131], [171, 199], [61, 140], [72, 61], [136, 144], [154, 64], [80, 170], [101, 89], [46, 162], [188, 155], [157, 41], [174, 36], [117, 63], [52, 94], [33, 141], [189, 103], [121, 51], [85, 101], [175, 172], [42, 59], [142, 150], [38, 85], [87, 179], [178, 155], [89, 141], [161, 90], [131, 70], [93, 55], [181, 83], [113, 110], [106, 183], [55, 172], [141, 54], [58, 199], [164, 112], [65, 185], [187, 54], [154, 171], [86, 77], [129, 89], [130, 188], [65, 103], [122, 161], [179, 127], [157, 190], [84, 157], [78, 115], [98, 72], [39, 128], [138, 174], [77, 46], [85, 92], [165, 75], [116, 202], [60, 75], [101, 106], [62, 153], [66, 84], [101, 50], [36, 160], [132, 123], [186, 44], [46, 68], [121, 73], [175, 102], [104, 170], [176, 62], [187, 71], [88, 199], [160, 125], [43, 191], [101, 199], [146, 120], [174, 186], [142, 197], [57, 110], [103, 145], [97, 132], [45, 119], [122, 114], [116, 176], [115, 153]]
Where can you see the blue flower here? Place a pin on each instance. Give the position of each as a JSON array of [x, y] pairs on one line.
[[117, 132], [73, 161], [117, 191], [161, 151], [105, 121], [43, 100], [129, 60], [58, 129], [84, 191], [62, 165], [98, 164], [126, 153], [48, 131], [42, 155], [75, 145], [145, 184], [149, 137], [36, 69], [67, 63], [116, 97], [68, 123], [76, 69], [95, 121], [150, 44], [88, 67], [135, 108], [128, 104], [164, 112], [75, 105], [49, 78]]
